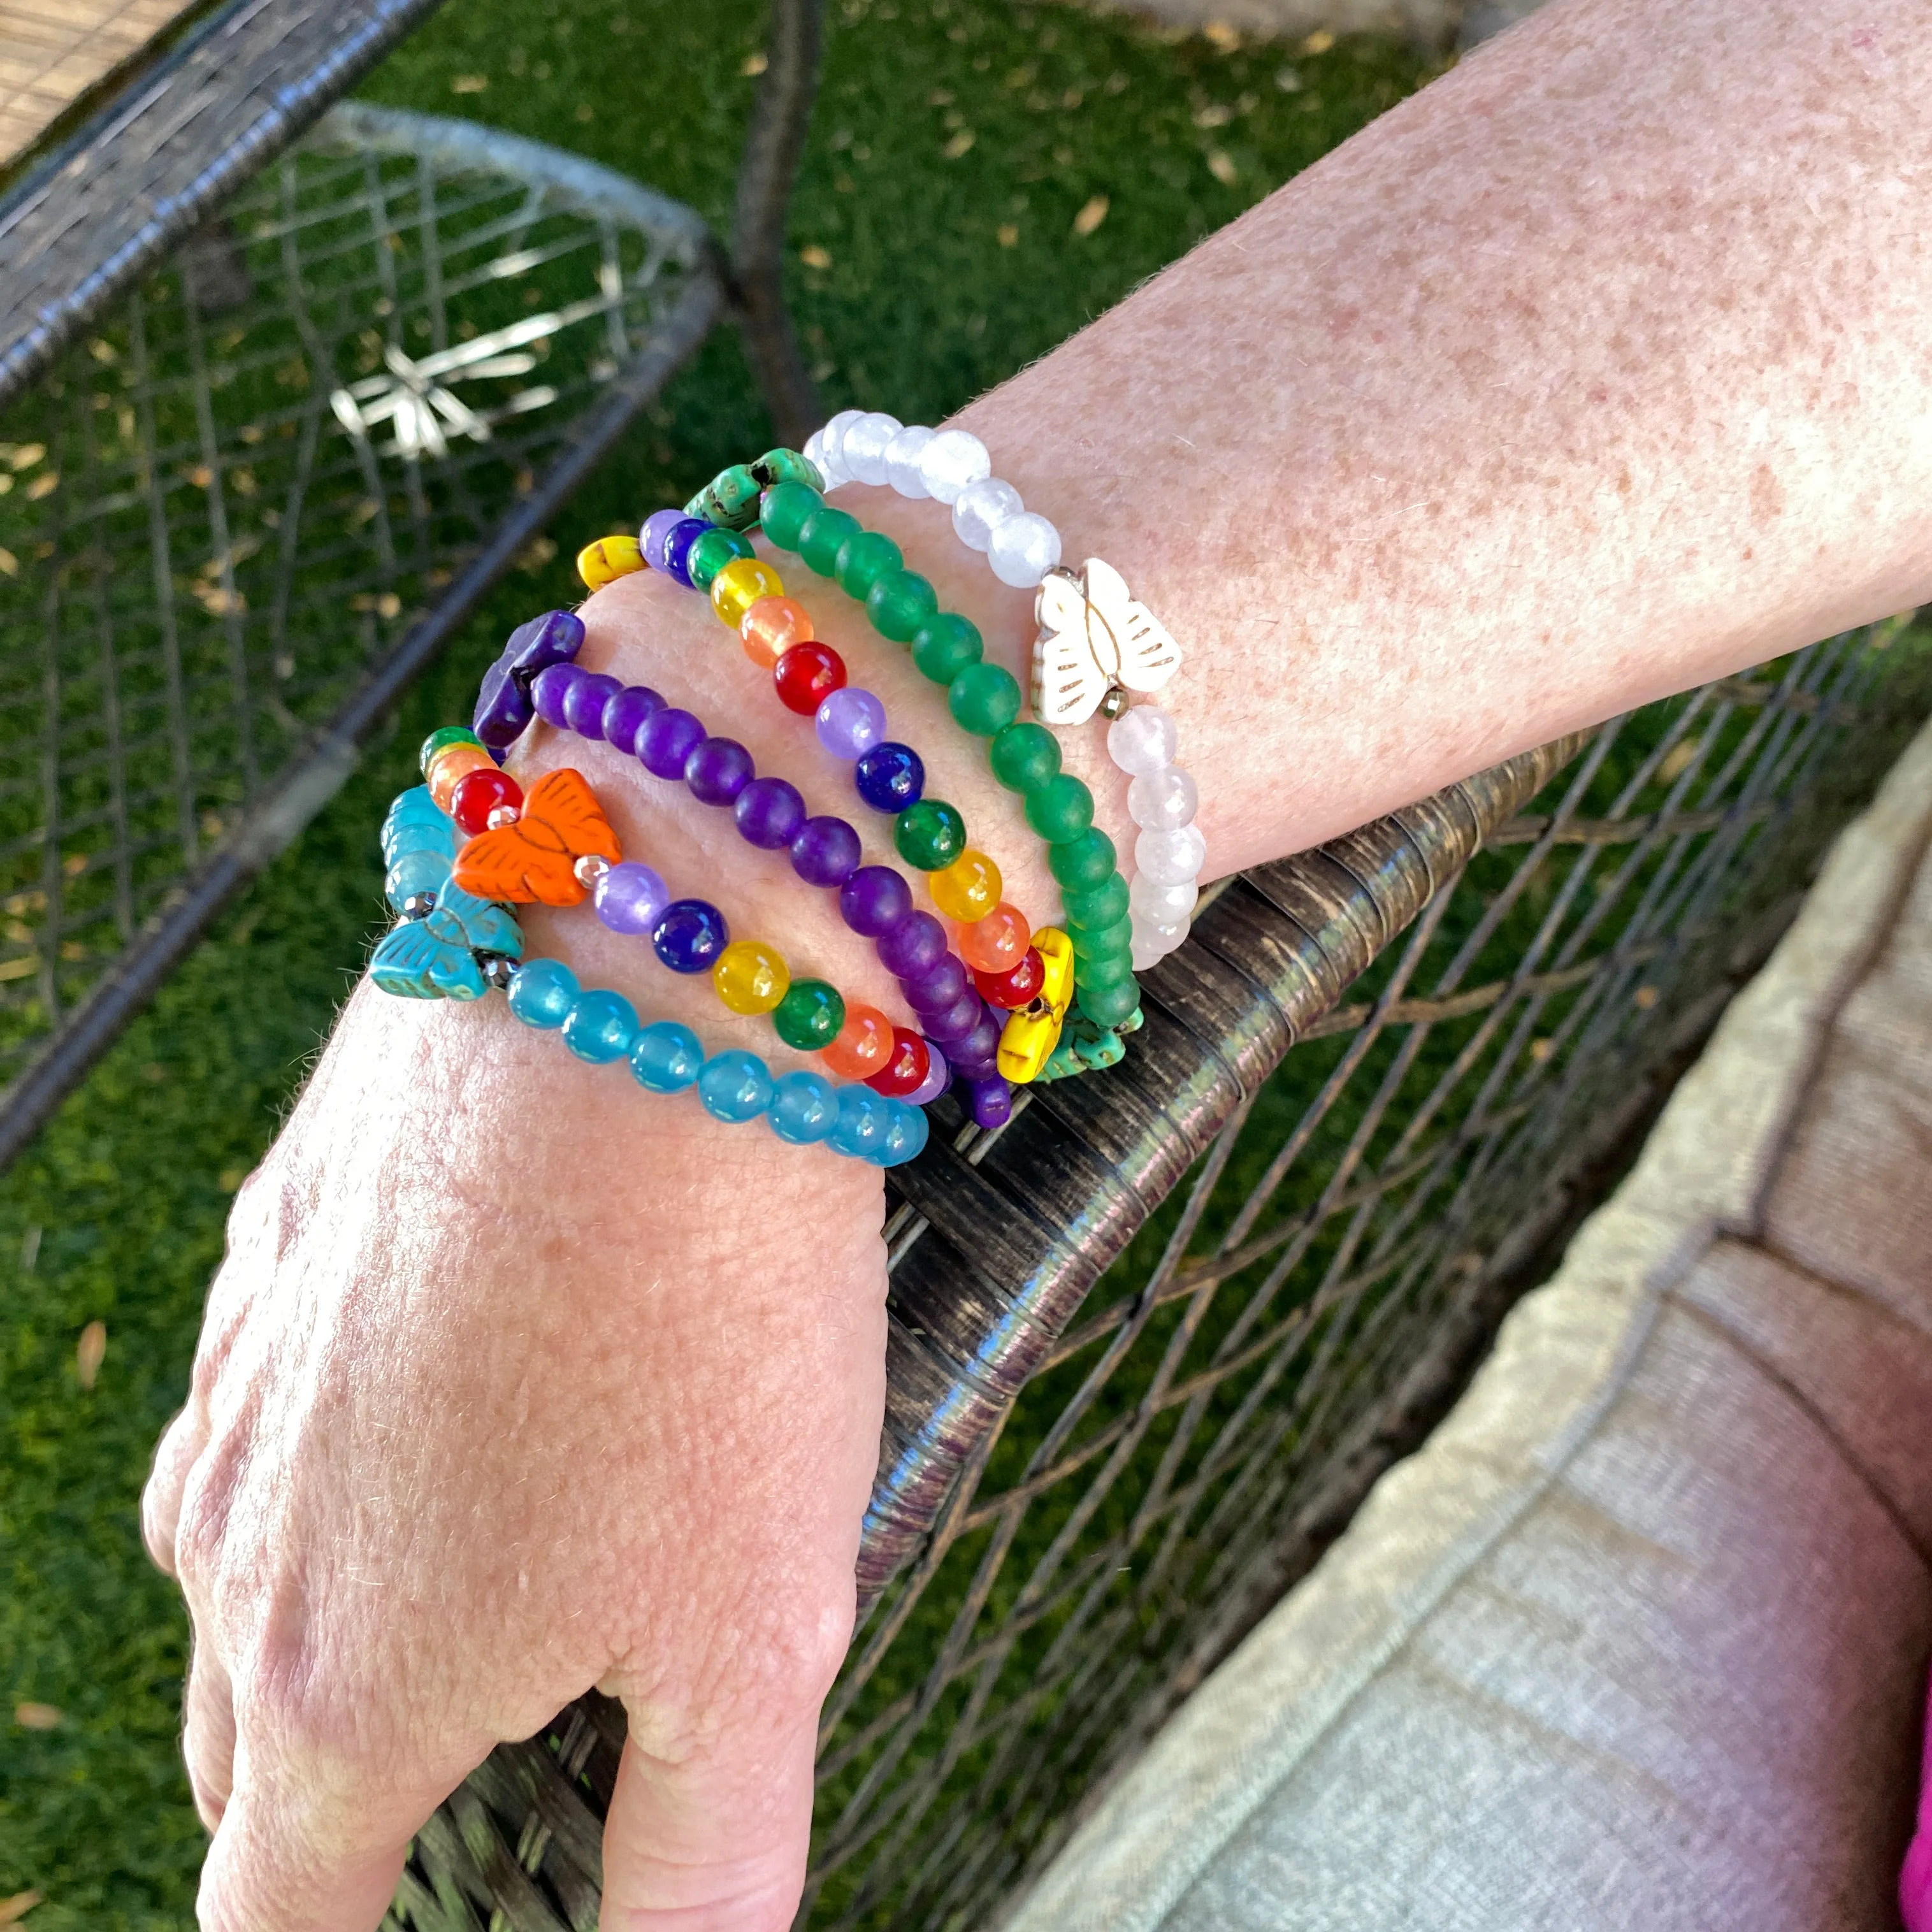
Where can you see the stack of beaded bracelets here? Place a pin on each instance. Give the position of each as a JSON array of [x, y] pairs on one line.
[[1095, 643], [451, 943], [701, 546]]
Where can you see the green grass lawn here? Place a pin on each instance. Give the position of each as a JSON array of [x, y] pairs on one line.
[[935, 251]]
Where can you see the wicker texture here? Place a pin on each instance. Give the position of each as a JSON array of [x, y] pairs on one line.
[[1125, 1413]]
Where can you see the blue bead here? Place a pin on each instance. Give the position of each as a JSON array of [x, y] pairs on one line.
[[600, 1027], [890, 777], [543, 993], [804, 1104], [735, 1086], [905, 1135], [690, 936], [666, 1057], [416, 872], [677, 549], [863, 1119]]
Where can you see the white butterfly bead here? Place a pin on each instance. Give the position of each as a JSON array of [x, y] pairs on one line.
[[1093, 636]]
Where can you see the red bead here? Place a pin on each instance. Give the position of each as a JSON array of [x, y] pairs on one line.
[[807, 675], [478, 793], [905, 1072], [1009, 990]]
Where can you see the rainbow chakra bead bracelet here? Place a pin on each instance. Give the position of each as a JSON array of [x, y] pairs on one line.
[[958, 1034], [1095, 643], [451, 944]]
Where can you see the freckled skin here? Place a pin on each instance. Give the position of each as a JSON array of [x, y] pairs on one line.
[[1597, 369]]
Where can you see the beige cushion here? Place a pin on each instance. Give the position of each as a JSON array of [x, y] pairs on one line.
[[1638, 1640]]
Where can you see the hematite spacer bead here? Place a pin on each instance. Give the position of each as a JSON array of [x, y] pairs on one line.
[[501, 816], [1115, 704], [590, 868], [418, 905], [499, 970]]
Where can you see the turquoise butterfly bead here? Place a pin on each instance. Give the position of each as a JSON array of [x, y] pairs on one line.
[[436, 958]]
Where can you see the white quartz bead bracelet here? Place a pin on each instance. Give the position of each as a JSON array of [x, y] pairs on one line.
[[1096, 645]]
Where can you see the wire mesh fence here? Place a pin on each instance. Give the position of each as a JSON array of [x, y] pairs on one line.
[[227, 508], [1305, 1302]]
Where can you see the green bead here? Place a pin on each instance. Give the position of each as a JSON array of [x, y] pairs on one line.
[[1083, 862], [448, 734], [787, 465], [1108, 1005], [929, 835], [1106, 904], [810, 1015], [864, 558], [944, 647], [983, 699], [1024, 757], [1109, 971], [1102, 942], [898, 603], [1061, 809], [730, 500], [823, 536], [783, 510], [712, 552]]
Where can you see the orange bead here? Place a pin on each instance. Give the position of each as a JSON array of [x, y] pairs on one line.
[[451, 765], [864, 1045], [996, 943], [772, 626]]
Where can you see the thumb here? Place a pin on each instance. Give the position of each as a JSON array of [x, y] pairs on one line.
[[710, 1838]]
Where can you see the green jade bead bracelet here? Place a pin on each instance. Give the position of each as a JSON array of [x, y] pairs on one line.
[[985, 700]]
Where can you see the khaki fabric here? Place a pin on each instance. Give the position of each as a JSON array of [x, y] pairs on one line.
[[1638, 1639]]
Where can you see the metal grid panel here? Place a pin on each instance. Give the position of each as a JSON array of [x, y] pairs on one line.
[[227, 507]]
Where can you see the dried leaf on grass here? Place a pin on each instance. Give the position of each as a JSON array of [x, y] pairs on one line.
[[13, 1910], [90, 1351], [37, 1717]]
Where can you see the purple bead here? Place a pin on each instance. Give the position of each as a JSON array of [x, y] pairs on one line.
[[628, 713], [826, 852], [503, 707], [684, 533], [631, 898], [874, 900], [584, 704], [937, 1076], [668, 739], [914, 946], [769, 812], [982, 1043], [551, 691], [942, 984], [991, 1101], [954, 1024], [719, 770], [656, 533], [850, 722]]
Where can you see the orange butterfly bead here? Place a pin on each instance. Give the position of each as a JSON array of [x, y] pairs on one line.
[[536, 858]]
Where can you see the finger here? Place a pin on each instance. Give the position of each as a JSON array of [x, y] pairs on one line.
[[161, 1500], [712, 1840], [208, 1734], [267, 1871]]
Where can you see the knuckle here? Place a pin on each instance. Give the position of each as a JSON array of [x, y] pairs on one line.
[[807, 1639]]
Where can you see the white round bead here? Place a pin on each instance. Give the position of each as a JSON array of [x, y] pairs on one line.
[[1162, 800], [1142, 740], [1162, 905], [1151, 940], [813, 451], [1146, 953], [902, 456], [1024, 549], [982, 508], [831, 440], [953, 459], [863, 450], [1170, 858]]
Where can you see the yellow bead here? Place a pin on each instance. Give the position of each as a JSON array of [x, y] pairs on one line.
[[750, 976], [968, 889], [608, 559], [1030, 1034], [739, 585]]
